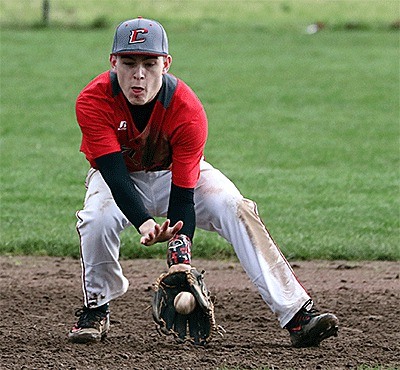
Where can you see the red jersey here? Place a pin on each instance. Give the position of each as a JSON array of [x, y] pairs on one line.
[[174, 138]]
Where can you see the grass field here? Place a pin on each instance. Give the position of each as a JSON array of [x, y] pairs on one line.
[[305, 125]]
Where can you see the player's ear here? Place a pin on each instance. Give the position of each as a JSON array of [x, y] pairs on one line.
[[113, 62], [167, 63]]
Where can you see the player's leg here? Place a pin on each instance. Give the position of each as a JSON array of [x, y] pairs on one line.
[[154, 189], [99, 225], [220, 207]]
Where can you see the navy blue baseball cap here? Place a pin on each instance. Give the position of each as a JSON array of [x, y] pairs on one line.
[[140, 36]]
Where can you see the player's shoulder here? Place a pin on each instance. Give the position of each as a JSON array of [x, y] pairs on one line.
[[184, 94], [99, 85]]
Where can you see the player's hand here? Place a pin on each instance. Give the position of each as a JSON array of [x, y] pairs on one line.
[[153, 233]]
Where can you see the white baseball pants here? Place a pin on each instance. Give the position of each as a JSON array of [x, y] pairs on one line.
[[219, 207]]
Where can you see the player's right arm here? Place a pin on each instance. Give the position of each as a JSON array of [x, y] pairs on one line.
[[113, 169]]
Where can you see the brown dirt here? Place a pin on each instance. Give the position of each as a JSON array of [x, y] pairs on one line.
[[38, 297]]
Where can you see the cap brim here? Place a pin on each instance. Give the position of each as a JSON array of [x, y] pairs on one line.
[[130, 52]]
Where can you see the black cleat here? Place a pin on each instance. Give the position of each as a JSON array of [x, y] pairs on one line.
[[310, 328], [92, 326]]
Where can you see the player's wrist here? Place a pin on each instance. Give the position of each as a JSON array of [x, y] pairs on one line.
[[179, 250]]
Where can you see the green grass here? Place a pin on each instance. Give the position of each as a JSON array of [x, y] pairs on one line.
[[305, 125], [270, 13]]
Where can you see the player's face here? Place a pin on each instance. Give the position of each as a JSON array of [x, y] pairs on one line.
[[140, 76]]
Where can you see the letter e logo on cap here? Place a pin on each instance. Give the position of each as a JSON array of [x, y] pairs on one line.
[[133, 38]]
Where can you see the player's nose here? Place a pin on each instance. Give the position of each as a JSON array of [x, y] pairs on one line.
[[139, 73]]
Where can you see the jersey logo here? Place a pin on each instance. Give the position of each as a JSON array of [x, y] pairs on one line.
[[133, 38], [122, 126]]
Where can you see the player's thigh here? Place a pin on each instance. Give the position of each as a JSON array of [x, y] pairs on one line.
[[99, 204], [216, 197], [154, 189]]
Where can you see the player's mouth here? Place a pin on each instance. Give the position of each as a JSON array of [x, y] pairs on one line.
[[137, 90]]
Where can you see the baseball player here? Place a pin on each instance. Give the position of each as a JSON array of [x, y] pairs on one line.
[[143, 133]]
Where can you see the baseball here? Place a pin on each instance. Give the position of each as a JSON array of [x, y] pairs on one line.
[[184, 303]]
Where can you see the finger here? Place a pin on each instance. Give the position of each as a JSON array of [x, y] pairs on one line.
[[180, 325], [177, 227], [146, 241], [157, 230], [165, 226], [149, 239], [143, 240]]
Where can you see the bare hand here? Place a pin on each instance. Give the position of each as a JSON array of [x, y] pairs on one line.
[[154, 233]]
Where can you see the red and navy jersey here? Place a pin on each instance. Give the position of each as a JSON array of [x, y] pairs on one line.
[[174, 138]]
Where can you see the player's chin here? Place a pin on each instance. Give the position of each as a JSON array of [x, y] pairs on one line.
[[137, 99]]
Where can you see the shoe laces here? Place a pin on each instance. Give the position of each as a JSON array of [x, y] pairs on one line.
[[89, 316], [301, 318]]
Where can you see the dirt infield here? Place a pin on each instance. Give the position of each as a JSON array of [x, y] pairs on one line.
[[39, 295]]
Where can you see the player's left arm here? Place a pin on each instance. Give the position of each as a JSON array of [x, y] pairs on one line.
[[187, 145], [181, 208], [197, 326]]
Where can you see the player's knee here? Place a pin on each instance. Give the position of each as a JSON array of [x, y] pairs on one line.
[[224, 205], [104, 216]]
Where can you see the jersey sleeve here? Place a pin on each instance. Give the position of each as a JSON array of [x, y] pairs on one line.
[[95, 118], [188, 144]]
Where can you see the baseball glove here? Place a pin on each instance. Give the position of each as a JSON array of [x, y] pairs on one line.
[[197, 326]]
